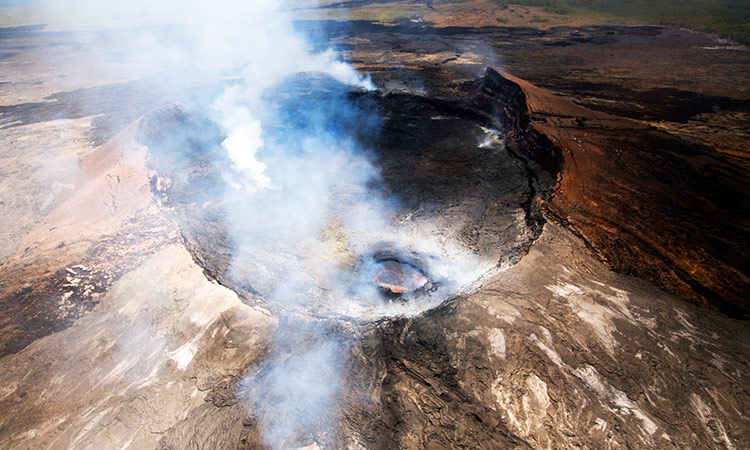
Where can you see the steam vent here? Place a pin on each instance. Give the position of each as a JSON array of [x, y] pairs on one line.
[[442, 225]]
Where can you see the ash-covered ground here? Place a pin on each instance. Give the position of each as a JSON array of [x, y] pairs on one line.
[[148, 301]]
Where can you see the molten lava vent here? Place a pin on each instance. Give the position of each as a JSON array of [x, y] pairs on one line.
[[398, 277]]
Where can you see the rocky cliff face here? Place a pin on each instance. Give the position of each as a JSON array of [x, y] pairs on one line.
[[646, 202]]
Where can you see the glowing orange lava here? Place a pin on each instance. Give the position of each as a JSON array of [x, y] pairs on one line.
[[398, 282]]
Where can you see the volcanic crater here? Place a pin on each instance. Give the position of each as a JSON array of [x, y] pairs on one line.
[[463, 200], [556, 351]]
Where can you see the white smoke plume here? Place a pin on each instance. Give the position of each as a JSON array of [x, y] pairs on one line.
[[299, 204], [283, 198]]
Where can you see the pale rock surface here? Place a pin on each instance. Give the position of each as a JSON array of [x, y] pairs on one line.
[[135, 366]]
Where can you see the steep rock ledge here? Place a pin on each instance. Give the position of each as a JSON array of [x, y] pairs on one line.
[[647, 203]]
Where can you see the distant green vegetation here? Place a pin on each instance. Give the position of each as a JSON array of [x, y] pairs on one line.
[[556, 9], [539, 19], [501, 19], [727, 18]]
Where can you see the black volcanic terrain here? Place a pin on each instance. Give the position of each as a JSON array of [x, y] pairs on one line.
[[558, 257]]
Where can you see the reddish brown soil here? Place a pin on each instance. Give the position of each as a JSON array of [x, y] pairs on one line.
[[647, 203]]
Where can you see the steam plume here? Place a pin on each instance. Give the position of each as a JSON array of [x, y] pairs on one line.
[[299, 200]]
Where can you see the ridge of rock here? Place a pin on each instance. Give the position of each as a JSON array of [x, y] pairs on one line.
[[648, 204]]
